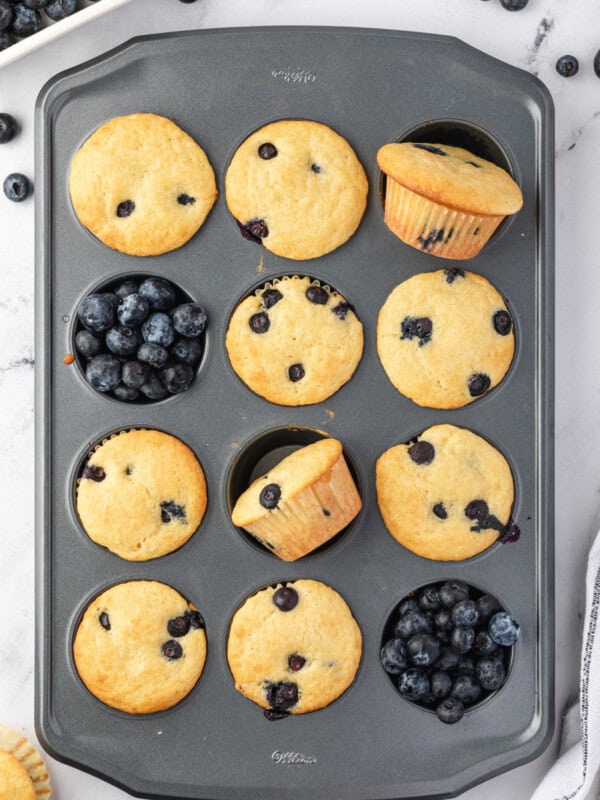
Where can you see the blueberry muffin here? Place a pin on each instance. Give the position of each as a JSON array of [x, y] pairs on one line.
[[141, 494], [23, 774], [294, 342], [446, 495], [302, 502], [293, 647], [445, 338], [141, 185], [444, 200], [297, 187], [140, 647]]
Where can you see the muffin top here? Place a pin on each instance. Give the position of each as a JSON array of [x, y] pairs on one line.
[[451, 176], [291, 476]]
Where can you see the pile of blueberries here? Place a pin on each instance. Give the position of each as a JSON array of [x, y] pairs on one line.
[[448, 646], [21, 18], [139, 341]]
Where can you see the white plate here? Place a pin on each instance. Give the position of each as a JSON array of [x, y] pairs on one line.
[[52, 30]]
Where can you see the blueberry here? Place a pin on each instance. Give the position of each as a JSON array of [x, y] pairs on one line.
[[429, 599], [126, 288], [154, 388], [393, 656], [133, 309], [187, 351], [195, 617], [440, 511], [409, 605], [5, 40], [272, 714], [8, 125], [104, 621], [597, 64], [91, 472], [126, 393], [419, 327], [254, 230], [479, 383], [36, 4], [153, 354], [270, 297], [317, 295], [414, 684], [477, 509], [87, 344], [59, 9], [267, 151], [159, 293], [170, 510], [502, 322], [296, 662], [123, 340], [453, 273], [185, 200], [315, 168], [466, 665], [172, 649], [442, 619], [422, 452], [466, 689], [96, 312], [134, 374], [342, 309], [450, 710], [270, 495], [423, 649], [465, 613], [158, 329], [282, 696], [26, 21], [431, 149], [452, 592], [103, 372], [490, 673], [513, 5], [296, 372], [177, 378], [567, 66], [441, 683], [448, 659], [462, 639], [487, 605], [285, 598], [503, 629], [16, 187], [484, 644], [260, 323], [189, 320], [411, 623], [178, 626]]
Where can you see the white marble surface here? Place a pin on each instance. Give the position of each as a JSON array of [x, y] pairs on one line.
[[570, 27]]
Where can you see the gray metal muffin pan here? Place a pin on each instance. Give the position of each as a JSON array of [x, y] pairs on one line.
[[372, 87]]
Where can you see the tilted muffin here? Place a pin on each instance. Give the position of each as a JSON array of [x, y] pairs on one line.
[[23, 774], [141, 494], [141, 185], [447, 495], [294, 342], [444, 200], [302, 502], [445, 338], [297, 187], [293, 647], [140, 647]]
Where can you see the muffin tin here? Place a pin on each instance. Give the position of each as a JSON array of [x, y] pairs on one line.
[[372, 87]]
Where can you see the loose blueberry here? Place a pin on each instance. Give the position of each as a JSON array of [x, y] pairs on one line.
[[178, 626], [450, 710], [103, 372], [490, 673], [170, 510], [441, 683], [567, 66], [158, 329], [393, 656], [514, 5], [267, 151], [196, 619], [8, 125], [126, 393], [254, 230], [502, 322], [503, 629], [429, 599], [317, 295], [461, 639], [270, 495], [484, 644], [177, 378], [26, 21], [187, 351], [487, 605], [296, 372], [154, 388], [285, 598], [133, 309], [59, 9], [126, 288], [465, 613], [260, 323], [158, 292], [104, 621], [186, 200], [123, 340], [270, 297], [189, 320], [419, 327], [422, 452], [414, 684], [411, 623], [152, 354], [87, 344], [134, 374], [479, 383], [466, 689], [448, 659], [440, 511], [452, 592], [282, 696], [423, 649], [16, 187], [431, 149], [296, 662], [94, 473], [97, 312], [172, 650]]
